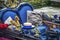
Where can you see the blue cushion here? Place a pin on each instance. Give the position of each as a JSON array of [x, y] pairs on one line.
[[56, 29], [42, 29]]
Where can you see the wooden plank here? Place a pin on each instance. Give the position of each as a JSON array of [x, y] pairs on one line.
[[51, 24]]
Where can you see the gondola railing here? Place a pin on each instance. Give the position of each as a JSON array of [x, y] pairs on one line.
[[16, 35]]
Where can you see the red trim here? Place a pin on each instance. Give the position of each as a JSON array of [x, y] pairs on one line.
[[2, 26]]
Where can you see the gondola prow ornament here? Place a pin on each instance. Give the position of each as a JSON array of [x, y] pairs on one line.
[[16, 23]]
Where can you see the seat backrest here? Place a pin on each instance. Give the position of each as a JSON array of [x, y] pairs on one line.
[[7, 13], [22, 9]]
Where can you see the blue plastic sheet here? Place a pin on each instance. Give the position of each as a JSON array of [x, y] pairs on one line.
[[56, 29]]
